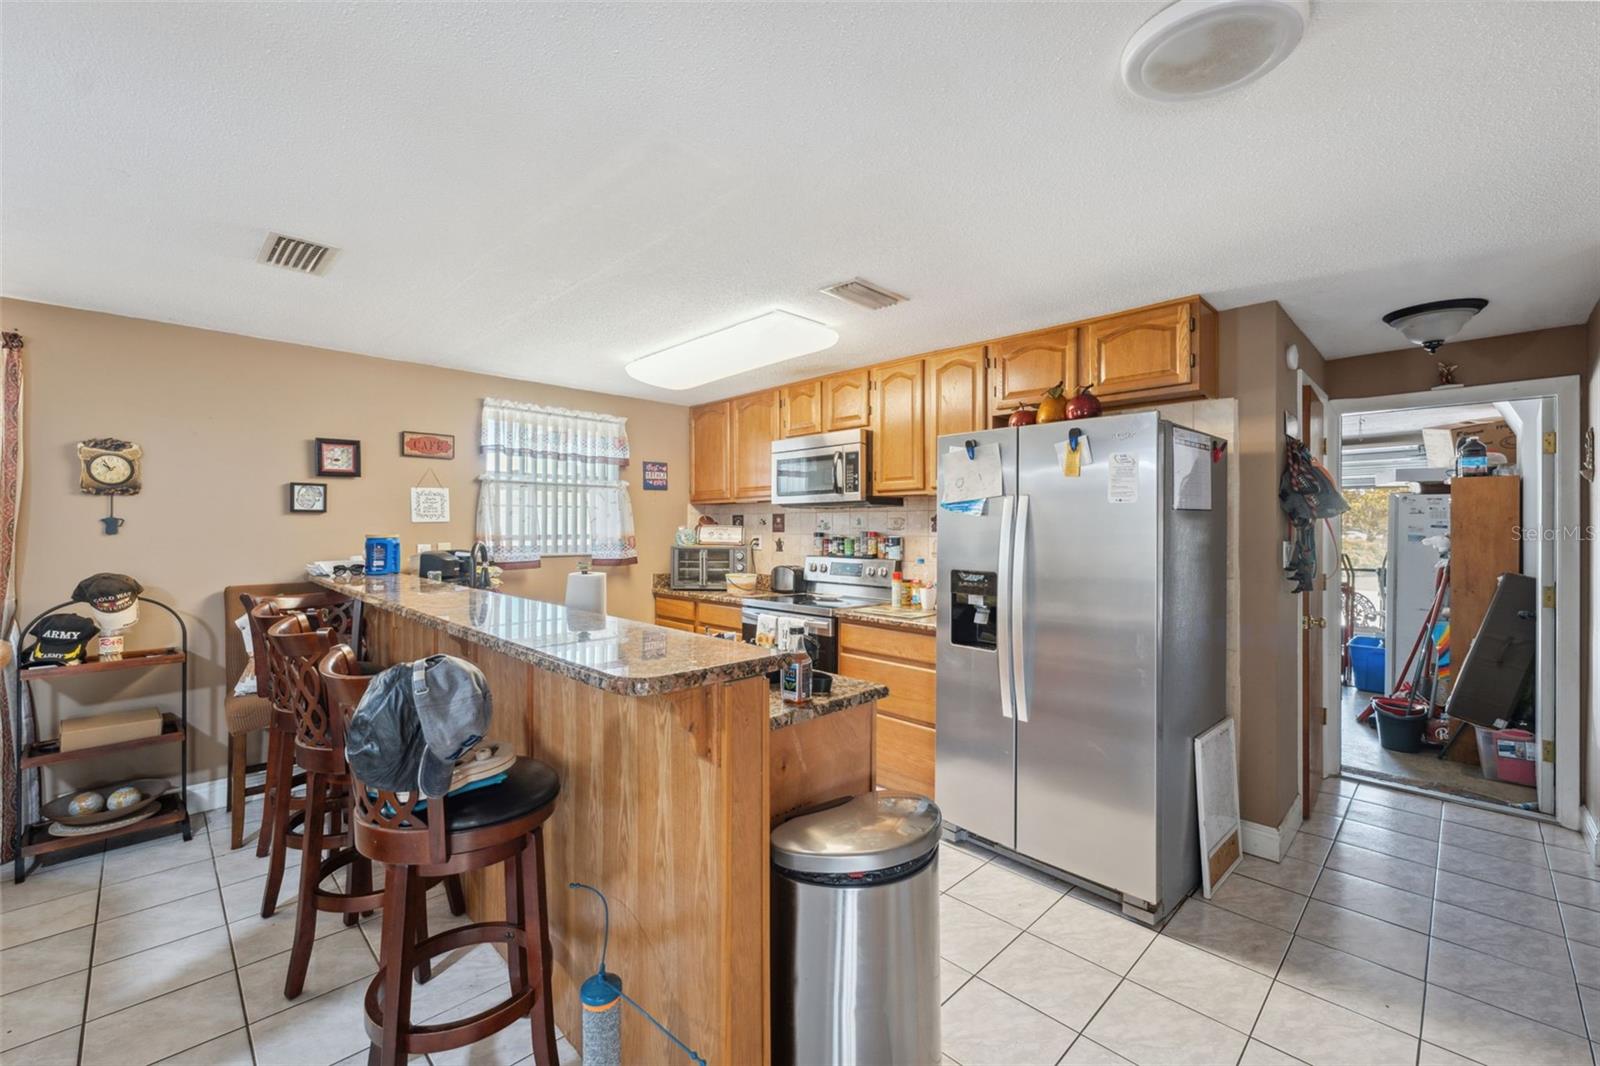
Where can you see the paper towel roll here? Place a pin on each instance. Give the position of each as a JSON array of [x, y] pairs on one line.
[[586, 592]]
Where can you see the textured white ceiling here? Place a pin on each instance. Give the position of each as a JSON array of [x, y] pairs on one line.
[[549, 191]]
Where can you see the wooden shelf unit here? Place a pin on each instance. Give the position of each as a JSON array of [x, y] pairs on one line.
[[30, 841]]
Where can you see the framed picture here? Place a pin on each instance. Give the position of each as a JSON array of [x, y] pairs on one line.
[[338, 458], [415, 445], [655, 476], [430, 504], [308, 497]]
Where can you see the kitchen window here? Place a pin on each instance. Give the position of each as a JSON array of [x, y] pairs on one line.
[[552, 485]]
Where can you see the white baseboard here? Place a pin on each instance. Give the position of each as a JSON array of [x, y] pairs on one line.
[[1270, 842], [208, 795], [1591, 832]]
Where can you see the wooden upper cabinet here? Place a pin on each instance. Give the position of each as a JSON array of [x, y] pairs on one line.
[[753, 426], [954, 400], [1023, 367], [1162, 352], [898, 429], [709, 452], [801, 408], [845, 403]]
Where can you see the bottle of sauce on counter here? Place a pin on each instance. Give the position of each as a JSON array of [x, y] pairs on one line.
[[897, 590]]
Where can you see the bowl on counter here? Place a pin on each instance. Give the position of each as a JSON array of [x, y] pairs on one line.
[[741, 583]]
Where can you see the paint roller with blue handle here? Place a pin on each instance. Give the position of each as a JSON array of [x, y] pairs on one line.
[[602, 999]]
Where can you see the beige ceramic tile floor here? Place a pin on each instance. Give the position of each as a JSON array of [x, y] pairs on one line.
[[1398, 929], [156, 952]]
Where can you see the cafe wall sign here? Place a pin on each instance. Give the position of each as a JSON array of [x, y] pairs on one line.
[[417, 445]]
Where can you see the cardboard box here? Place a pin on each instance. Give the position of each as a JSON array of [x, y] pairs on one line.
[[113, 727], [1441, 444]]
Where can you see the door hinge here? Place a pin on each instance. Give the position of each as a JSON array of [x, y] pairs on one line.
[[1191, 360], [1322, 714], [1191, 323], [1550, 443], [1549, 752], [1550, 596]]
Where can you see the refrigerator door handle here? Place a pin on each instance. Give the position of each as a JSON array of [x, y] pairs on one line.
[[1003, 655], [1019, 588]]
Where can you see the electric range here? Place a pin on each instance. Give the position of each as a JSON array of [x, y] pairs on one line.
[[832, 584]]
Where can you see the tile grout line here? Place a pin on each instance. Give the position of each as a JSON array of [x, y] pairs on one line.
[[1427, 959], [238, 982], [94, 943], [1588, 1037]]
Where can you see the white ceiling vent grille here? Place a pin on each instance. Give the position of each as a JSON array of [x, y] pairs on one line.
[[301, 256], [865, 294]]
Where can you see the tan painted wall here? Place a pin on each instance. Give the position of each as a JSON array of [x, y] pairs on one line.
[[226, 423], [1541, 353], [1252, 342]]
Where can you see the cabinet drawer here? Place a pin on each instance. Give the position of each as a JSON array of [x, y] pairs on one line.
[[912, 689], [720, 615], [903, 756], [673, 623], [667, 607], [887, 643]]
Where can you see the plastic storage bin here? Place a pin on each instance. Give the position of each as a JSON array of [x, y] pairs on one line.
[[1515, 756], [1366, 660]]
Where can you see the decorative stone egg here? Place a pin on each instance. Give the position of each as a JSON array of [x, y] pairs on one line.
[[123, 797], [86, 803]]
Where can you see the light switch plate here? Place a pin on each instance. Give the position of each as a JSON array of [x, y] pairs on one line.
[[444, 545]]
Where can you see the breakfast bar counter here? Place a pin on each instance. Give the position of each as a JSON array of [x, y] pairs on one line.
[[675, 757]]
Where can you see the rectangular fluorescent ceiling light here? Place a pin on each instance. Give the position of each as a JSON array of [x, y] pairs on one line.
[[758, 342]]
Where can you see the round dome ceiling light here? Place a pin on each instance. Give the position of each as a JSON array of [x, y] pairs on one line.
[[1431, 324], [1198, 48]]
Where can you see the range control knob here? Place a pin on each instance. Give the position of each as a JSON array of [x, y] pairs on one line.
[[822, 567], [811, 567]]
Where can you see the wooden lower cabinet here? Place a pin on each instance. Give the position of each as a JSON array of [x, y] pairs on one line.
[[904, 732], [902, 756], [697, 616]]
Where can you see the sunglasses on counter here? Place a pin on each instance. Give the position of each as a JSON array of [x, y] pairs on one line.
[[342, 571]]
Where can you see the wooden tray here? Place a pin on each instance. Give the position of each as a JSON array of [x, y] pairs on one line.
[[151, 788]]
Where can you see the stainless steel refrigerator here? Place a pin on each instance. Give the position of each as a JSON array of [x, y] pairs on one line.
[[1081, 643]]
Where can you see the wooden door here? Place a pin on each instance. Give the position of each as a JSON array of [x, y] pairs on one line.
[[1314, 714], [898, 435], [709, 452], [955, 400], [845, 403], [800, 408], [1023, 367], [753, 422], [1150, 350]]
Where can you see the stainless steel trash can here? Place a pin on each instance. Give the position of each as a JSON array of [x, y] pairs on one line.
[[855, 938]]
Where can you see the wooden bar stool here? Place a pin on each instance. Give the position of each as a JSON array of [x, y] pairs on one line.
[[452, 835], [280, 819]]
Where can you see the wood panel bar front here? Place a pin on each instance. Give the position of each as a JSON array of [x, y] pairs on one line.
[[664, 807]]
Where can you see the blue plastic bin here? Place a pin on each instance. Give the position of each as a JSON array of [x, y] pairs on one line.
[[1366, 659]]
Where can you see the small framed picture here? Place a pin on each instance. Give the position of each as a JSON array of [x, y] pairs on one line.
[[429, 504], [338, 458], [415, 445], [308, 497]]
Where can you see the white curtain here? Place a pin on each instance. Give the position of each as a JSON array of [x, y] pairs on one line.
[[552, 484]]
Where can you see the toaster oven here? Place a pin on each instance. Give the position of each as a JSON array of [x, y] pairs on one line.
[[706, 568]]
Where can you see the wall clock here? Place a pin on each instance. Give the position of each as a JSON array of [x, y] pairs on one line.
[[109, 467]]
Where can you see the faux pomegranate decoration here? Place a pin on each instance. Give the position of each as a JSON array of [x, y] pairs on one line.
[[1084, 405], [1023, 416], [1053, 408]]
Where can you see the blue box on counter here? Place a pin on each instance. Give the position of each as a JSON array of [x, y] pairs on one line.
[[383, 555]]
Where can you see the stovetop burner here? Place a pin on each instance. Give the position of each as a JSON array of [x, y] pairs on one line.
[[807, 603]]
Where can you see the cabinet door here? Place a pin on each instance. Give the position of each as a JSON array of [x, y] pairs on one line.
[[898, 435], [1023, 367], [754, 422], [1152, 349], [844, 401], [955, 401], [801, 408], [709, 466]]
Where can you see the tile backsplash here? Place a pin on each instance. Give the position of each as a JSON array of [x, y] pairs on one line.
[[914, 522]]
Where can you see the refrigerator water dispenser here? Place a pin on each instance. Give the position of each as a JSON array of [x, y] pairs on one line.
[[974, 609]]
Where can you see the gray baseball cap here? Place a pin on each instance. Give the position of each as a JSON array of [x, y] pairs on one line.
[[415, 721]]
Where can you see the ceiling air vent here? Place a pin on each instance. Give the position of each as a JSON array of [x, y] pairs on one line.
[[865, 294], [292, 253]]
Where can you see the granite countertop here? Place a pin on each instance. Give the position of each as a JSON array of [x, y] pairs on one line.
[[606, 652], [911, 621], [847, 692]]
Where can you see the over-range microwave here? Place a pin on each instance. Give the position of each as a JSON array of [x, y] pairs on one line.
[[824, 468], [706, 568]]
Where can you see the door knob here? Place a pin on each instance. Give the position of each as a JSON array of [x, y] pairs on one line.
[[1308, 623]]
